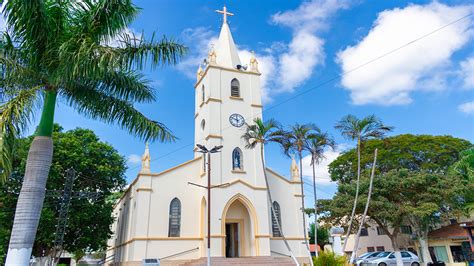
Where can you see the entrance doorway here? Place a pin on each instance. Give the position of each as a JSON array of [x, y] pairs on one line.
[[232, 240]]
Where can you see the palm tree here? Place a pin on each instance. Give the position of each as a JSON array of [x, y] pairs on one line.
[[296, 141], [54, 49], [316, 147], [262, 133], [364, 215], [354, 128]]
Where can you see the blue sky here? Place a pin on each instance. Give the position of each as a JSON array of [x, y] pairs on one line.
[[424, 88]]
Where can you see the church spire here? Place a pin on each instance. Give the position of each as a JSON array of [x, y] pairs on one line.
[[146, 161], [226, 52]]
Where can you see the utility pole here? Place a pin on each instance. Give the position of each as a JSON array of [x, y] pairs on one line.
[[67, 195], [204, 150]]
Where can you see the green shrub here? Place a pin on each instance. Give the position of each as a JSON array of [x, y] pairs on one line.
[[329, 259]]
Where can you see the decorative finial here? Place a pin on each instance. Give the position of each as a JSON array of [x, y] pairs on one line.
[[199, 72], [253, 63], [224, 13], [211, 57], [146, 161], [295, 172]]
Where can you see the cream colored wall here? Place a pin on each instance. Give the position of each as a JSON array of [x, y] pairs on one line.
[[288, 195]]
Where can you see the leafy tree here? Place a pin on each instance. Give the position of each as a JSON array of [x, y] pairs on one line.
[[322, 237], [465, 168], [263, 133], [100, 169], [419, 157], [412, 152], [360, 130], [59, 49], [316, 147]]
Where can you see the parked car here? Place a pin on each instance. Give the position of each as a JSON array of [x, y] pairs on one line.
[[388, 259], [364, 256]]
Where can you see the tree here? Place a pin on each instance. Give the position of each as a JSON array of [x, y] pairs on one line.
[[364, 215], [100, 169], [398, 191], [465, 168], [263, 133], [316, 147], [412, 152], [59, 48], [360, 130], [295, 141], [322, 236]]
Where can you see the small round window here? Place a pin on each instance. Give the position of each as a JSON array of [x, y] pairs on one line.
[[203, 124]]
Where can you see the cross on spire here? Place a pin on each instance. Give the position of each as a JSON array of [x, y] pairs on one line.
[[224, 13]]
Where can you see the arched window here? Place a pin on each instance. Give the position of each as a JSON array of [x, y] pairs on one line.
[[203, 94], [175, 218], [235, 88], [276, 208], [237, 160]]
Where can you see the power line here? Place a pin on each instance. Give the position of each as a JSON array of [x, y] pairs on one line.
[[334, 78]]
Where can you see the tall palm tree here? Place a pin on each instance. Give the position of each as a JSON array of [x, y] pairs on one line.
[[262, 133], [56, 48], [360, 130], [364, 215], [295, 142], [316, 147]]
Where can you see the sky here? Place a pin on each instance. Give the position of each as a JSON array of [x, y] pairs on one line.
[[411, 63]]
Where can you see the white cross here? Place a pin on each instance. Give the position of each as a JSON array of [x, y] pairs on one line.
[[225, 13]]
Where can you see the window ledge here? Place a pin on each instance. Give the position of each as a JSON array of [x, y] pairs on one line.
[[236, 98], [238, 172], [202, 174]]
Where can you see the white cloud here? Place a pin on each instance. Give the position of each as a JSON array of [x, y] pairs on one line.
[[391, 79], [322, 173], [467, 72], [199, 41], [305, 50], [116, 42], [467, 108], [266, 66], [134, 159]]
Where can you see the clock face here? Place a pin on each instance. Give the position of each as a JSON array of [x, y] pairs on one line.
[[236, 120]]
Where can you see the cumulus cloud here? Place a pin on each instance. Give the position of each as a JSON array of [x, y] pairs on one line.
[[305, 50], [116, 42], [390, 80], [199, 41], [467, 72], [467, 108], [134, 159], [322, 173]]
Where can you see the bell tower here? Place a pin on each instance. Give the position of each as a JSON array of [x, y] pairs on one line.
[[227, 96]]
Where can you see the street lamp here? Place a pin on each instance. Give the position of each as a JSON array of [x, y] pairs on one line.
[[202, 149]]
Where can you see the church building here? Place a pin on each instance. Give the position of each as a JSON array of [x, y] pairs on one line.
[[164, 215]]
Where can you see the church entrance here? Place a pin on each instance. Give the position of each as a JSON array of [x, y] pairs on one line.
[[232, 240], [237, 228]]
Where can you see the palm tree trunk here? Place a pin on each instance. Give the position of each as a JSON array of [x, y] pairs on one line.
[[273, 210], [315, 211], [305, 233], [30, 200], [356, 246], [355, 199]]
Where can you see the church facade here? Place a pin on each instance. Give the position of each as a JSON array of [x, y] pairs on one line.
[[164, 216]]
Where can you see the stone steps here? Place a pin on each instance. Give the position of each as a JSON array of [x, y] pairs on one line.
[[247, 261]]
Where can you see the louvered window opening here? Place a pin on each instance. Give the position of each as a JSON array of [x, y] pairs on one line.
[[276, 230], [175, 218]]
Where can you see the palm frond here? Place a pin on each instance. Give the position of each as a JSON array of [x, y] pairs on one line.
[[102, 19], [98, 105], [29, 22], [15, 116]]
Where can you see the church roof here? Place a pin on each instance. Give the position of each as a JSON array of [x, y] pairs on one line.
[[226, 51]]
